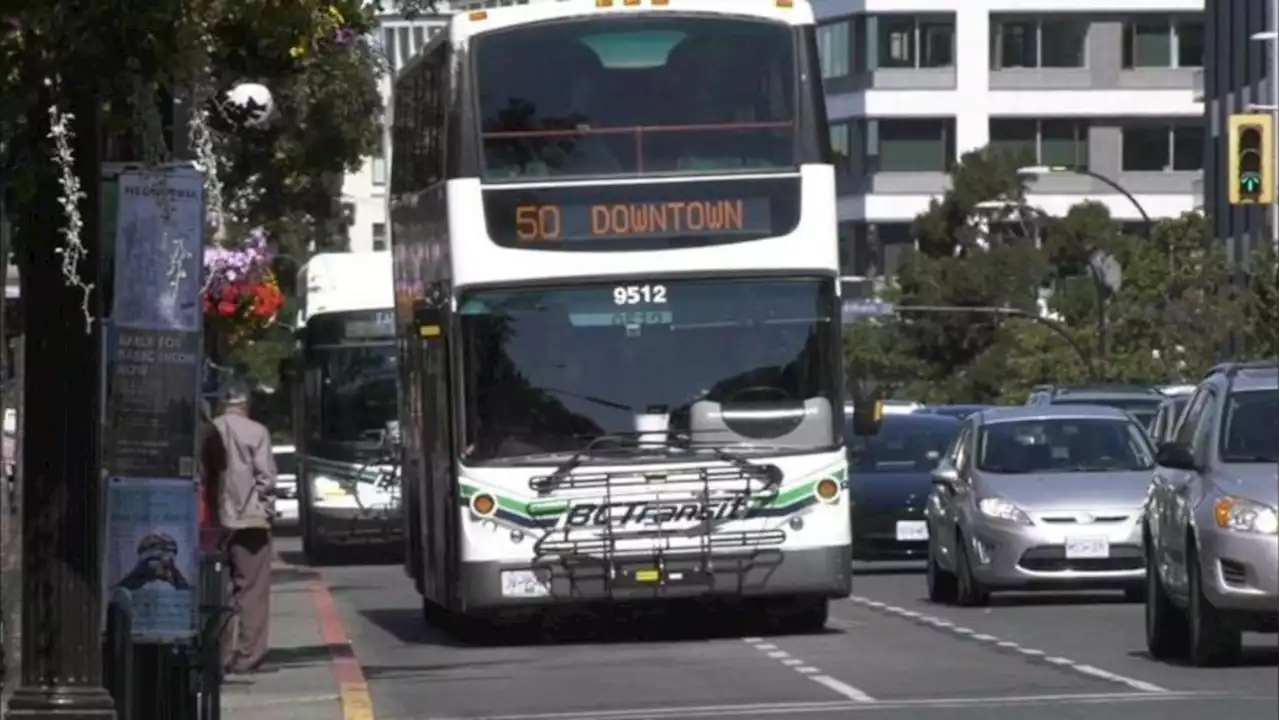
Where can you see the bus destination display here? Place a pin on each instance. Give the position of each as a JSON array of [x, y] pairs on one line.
[[573, 223]]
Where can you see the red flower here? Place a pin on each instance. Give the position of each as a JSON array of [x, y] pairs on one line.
[[229, 292], [226, 309]]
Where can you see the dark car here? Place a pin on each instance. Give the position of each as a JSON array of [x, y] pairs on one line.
[[1139, 401], [958, 412], [890, 483]]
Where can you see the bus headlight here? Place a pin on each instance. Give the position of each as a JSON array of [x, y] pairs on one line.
[[326, 488]]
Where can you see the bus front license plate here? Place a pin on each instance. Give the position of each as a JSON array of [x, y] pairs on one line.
[[523, 584]]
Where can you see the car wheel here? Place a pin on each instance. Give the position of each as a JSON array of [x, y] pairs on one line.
[[1166, 623], [1212, 642], [941, 583], [969, 592]]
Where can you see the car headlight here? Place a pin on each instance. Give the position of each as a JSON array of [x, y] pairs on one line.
[[1232, 513], [326, 487], [1001, 509]]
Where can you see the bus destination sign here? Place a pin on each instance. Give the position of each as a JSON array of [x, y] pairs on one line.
[[374, 325], [629, 221], [642, 216]]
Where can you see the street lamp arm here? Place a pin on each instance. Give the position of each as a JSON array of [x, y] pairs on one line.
[[1146, 219], [1058, 328]]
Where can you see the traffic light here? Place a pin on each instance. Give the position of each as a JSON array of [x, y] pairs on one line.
[[1251, 178]]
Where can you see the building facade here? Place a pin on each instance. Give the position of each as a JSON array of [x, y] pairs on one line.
[[1240, 75], [1099, 84]]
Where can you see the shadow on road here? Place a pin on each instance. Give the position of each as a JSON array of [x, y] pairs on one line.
[[300, 656], [875, 569], [370, 554], [1250, 657], [1059, 598], [618, 625]]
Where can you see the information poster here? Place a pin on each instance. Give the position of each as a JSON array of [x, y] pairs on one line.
[[152, 378], [158, 253], [152, 551], [152, 371]]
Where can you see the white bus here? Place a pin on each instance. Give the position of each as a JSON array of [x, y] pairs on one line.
[[614, 236], [344, 397]]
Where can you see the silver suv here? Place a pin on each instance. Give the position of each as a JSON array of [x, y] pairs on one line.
[[1209, 528]]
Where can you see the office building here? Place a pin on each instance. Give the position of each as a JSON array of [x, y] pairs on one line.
[[1099, 84], [1240, 75]]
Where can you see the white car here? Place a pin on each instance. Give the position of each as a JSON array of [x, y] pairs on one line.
[[286, 485]]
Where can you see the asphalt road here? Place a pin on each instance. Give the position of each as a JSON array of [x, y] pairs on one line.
[[886, 652]]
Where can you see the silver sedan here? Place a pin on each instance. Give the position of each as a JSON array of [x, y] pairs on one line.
[[1039, 498]]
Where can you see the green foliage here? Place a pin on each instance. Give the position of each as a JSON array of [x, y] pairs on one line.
[[1174, 314]]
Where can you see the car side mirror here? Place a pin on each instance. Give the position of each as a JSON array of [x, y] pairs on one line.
[[945, 476], [867, 418], [1175, 455]]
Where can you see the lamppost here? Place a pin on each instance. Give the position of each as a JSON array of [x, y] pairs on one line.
[[1104, 270], [1041, 170]]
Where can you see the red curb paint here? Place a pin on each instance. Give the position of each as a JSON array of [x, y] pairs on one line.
[[342, 660]]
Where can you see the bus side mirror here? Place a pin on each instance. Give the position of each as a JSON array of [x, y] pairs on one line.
[[867, 417], [429, 323]]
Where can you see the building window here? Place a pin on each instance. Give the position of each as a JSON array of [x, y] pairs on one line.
[[833, 49], [1163, 148], [840, 150], [1057, 142], [910, 145], [1159, 41], [910, 41], [1041, 42], [379, 234]]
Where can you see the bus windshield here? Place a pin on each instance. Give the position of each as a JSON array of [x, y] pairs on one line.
[[575, 98], [357, 394], [547, 370]]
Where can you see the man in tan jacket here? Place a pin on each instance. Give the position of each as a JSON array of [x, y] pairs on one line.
[[244, 512]]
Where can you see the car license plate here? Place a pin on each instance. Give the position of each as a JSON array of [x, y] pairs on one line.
[[1088, 547], [912, 530], [523, 584]]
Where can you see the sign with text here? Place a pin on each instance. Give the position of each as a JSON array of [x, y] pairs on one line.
[[152, 380], [644, 216]]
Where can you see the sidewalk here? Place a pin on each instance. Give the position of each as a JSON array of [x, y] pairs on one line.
[[309, 653]]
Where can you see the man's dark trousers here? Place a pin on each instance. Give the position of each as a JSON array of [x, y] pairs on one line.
[[247, 577]]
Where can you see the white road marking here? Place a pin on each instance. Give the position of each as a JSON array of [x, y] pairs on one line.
[[844, 689], [1056, 660], [848, 691], [783, 709]]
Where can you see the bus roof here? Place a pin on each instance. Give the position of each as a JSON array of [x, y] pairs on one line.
[[476, 22], [338, 282]]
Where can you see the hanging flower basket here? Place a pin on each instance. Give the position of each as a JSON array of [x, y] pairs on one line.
[[242, 297]]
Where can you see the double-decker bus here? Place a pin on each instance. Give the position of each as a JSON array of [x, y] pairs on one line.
[[345, 404], [617, 289]]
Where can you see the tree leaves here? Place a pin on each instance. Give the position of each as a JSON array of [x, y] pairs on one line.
[[1176, 312]]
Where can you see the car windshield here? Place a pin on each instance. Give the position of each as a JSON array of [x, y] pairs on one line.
[[901, 446], [358, 394], [752, 362], [1249, 427], [575, 98], [1143, 410], [285, 463], [1057, 445]]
